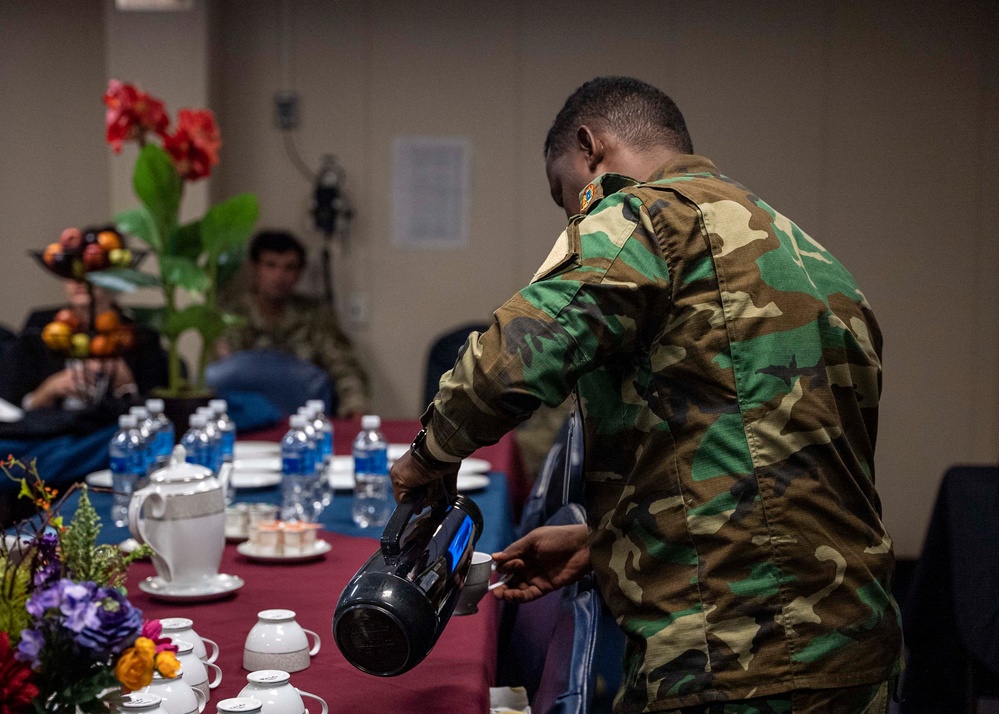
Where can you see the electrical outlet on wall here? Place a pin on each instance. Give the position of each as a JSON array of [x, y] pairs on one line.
[[357, 308], [286, 110]]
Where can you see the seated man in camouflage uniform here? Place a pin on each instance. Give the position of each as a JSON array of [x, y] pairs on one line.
[[279, 319], [728, 370]]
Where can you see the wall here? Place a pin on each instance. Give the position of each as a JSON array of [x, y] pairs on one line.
[[53, 168], [872, 124]]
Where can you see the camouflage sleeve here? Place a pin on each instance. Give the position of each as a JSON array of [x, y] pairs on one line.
[[336, 356], [591, 300]]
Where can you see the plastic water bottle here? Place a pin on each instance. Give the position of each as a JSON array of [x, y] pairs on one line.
[[314, 438], [163, 446], [215, 436], [127, 466], [196, 442], [297, 472], [322, 490], [324, 426], [225, 425], [372, 488], [146, 427]]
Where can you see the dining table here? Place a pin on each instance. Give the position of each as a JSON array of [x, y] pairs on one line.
[[454, 677]]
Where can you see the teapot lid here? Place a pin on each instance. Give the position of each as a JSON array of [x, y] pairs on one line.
[[179, 470]]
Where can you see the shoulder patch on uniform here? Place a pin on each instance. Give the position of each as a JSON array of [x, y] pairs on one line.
[[561, 255], [586, 197]]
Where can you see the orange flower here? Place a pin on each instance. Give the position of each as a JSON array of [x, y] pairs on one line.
[[135, 666], [167, 663]]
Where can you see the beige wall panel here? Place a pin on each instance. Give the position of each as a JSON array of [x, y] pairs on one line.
[[53, 169]]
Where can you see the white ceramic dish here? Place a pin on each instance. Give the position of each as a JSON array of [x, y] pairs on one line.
[[255, 449], [341, 481], [216, 587], [249, 550], [100, 479], [345, 465], [252, 478], [257, 463]]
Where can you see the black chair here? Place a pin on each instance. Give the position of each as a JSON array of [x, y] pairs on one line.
[[555, 485], [442, 356]]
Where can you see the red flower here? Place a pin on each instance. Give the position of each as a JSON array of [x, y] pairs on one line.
[[131, 113], [194, 147], [153, 630], [16, 689]]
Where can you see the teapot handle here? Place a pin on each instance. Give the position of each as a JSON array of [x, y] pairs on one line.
[[137, 524], [414, 502], [225, 473]]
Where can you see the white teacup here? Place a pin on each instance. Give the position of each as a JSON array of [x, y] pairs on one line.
[[278, 642], [239, 704], [182, 628], [176, 695], [476, 585], [274, 689], [195, 671], [140, 704]]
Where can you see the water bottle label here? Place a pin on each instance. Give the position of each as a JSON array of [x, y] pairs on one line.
[[164, 442], [378, 462], [361, 463], [228, 442], [120, 464], [327, 443], [292, 465]]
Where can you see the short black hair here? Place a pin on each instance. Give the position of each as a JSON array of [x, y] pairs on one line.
[[637, 112], [276, 242]]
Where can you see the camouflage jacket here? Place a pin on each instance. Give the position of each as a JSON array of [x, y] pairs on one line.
[[728, 369], [310, 331]]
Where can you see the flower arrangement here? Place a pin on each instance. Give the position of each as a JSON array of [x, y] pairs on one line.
[[70, 640], [191, 257]]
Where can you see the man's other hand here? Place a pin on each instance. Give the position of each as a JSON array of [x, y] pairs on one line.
[[547, 558], [409, 473]]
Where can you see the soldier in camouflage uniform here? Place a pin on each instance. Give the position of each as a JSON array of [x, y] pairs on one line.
[[277, 318], [728, 371]]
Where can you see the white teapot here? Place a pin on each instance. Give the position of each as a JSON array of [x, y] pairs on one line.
[[181, 515]]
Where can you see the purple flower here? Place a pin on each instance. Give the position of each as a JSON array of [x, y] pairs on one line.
[[111, 620], [46, 562], [77, 599], [30, 647], [43, 600]]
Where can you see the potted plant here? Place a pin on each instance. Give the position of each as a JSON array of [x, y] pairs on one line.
[[191, 257]]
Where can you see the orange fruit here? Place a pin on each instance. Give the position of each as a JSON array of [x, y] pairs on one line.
[[56, 336], [107, 321], [51, 251], [102, 346], [108, 240]]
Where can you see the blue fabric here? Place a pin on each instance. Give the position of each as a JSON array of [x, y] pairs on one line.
[[61, 460], [285, 380], [494, 501], [250, 411]]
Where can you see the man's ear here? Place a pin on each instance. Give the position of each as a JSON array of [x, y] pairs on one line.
[[592, 146]]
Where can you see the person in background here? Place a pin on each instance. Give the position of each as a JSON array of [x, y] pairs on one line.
[[728, 370], [278, 318], [35, 377]]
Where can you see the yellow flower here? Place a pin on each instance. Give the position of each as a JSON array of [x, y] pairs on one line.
[[167, 664], [135, 666]]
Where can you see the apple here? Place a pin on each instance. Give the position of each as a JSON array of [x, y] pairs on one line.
[[120, 257], [80, 345], [94, 257], [68, 318], [56, 335], [71, 239]]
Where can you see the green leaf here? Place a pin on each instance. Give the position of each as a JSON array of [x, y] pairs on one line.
[[210, 322], [227, 225], [140, 224], [184, 273], [126, 280], [229, 264], [186, 241], [152, 317], [158, 186]]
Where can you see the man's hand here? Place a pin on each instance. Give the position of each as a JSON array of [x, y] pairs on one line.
[[54, 389], [408, 473], [547, 558]]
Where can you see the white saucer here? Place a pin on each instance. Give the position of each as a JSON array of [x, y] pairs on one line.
[[341, 481], [255, 449], [249, 550], [257, 463], [100, 479], [253, 478], [215, 588], [396, 451]]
